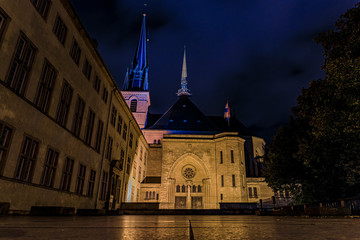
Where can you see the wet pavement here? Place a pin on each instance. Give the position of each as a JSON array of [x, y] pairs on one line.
[[177, 227]]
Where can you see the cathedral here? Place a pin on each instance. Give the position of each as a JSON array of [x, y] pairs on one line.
[[195, 161]]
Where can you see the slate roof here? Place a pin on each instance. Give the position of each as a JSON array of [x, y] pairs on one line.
[[185, 116], [235, 125]]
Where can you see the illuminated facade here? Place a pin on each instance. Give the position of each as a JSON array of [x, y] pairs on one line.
[[195, 161], [67, 137]]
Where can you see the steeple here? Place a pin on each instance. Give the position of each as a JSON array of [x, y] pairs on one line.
[[135, 90], [184, 90], [136, 78]]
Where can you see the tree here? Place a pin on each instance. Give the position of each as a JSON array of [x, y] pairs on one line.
[[322, 142]]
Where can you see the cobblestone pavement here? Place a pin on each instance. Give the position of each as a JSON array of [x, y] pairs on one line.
[[177, 227]]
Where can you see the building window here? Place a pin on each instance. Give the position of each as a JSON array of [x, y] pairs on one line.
[[5, 137], [103, 185], [60, 30], [255, 192], [281, 193], [232, 156], [222, 180], [178, 188], [119, 125], [4, 20], [183, 188], [64, 104], [250, 192], [46, 86], [78, 116], [67, 173], [122, 158], [21, 65], [89, 127], [42, 6], [233, 181], [97, 84], [113, 116], [287, 194], [90, 191], [134, 170], [87, 69], [50, 168], [109, 148], [194, 188], [27, 159], [75, 52], [139, 175], [124, 132], [221, 197], [199, 188], [133, 105], [221, 157], [105, 95], [99, 135], [131, 140], [128, 165], [147, 195], [81, 179]]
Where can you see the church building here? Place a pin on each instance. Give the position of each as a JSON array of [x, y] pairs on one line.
[[195, 161]]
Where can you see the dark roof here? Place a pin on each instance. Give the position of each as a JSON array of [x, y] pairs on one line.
[[185, 109], [151, 119], [184, 116], [234, 126]]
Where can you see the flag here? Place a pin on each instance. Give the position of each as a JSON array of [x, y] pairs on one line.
[[227, 112]]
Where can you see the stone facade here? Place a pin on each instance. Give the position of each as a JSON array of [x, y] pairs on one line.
[[141, 103], [67, 136]]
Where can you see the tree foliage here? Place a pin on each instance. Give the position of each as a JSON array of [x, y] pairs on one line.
[[317, 156]]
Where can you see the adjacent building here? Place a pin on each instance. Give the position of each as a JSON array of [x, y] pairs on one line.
[[67, 136]]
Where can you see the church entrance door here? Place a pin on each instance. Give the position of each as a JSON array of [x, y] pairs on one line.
[[196, 202], [180, 202]]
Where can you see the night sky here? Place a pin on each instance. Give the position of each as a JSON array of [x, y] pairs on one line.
[[259, 54]]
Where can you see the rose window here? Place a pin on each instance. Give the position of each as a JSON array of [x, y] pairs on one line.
[[189, 172]]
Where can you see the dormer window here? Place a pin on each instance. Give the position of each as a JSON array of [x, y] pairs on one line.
[[133, 105]]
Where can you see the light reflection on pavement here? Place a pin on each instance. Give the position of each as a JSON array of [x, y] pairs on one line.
[[176, 227]]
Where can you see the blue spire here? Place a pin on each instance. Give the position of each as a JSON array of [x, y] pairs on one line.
[[137, 75]]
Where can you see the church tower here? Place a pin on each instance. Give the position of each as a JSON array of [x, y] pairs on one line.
[[136, 89]]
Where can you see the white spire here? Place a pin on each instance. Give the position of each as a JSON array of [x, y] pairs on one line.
[[184, 70], [184, 90]]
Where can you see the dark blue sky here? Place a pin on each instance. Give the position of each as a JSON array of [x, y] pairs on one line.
[[256, 53]]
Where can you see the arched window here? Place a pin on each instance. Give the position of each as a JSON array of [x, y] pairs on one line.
[[158, 141], [147, 195], [178, 188], [133, 105], [194, 188], [183, 188], [153, 195], [154, 141], [199, 188]]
